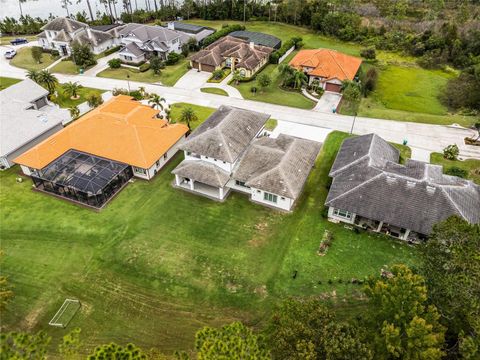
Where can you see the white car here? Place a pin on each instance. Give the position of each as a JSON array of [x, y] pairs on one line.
[[9, 54]]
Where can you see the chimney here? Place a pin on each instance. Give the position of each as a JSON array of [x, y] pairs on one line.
[[171, 25], [252, 45]]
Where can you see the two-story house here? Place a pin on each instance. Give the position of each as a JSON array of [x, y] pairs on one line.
[[60, 33], [142, 41], [230, 151]]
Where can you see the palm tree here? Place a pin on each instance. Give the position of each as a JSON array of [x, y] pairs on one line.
[[286, 73], [299, 79], [156, 101], [71, 89], [47, 79], [74, 111], [236, 77], [33, 75], [188, 115]]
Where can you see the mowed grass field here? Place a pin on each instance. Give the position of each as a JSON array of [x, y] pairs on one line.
[[24, 60], [5, 82], [472, 166], [158, 263]]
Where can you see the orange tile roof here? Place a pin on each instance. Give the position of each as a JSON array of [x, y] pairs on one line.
[[121, 129], [329, 64]]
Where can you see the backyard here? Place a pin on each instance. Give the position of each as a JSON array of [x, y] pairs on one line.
[[158, 263], [169, 75], [472, 166], [24, 60]]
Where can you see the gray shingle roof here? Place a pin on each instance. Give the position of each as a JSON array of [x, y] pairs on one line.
[[63, 36], [368, 181], [96, 37], [62, 23], [189, 28], [226, 133], [258, 38], [148, 32], [133, 49], [279, 166], [18, 126], [202, 171]]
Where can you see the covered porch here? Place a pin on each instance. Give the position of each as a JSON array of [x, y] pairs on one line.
[[383, 227], [200, 177]]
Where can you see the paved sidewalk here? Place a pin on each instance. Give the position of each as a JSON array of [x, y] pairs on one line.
[[424, 136], [102, 64], [420, 154]]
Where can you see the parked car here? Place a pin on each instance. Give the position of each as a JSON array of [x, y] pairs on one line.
[[18, 41], [9, 54]]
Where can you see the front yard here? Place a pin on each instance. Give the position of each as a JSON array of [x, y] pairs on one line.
[[5, 82], [24, 60], [158, 263], [169, 76], [64, 101]]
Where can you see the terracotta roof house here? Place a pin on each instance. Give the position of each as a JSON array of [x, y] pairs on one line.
[[60, 33], [26, 118], [141, 41], [230, 151], [233, 53], [121, 132], [370, 189], [329, 67]]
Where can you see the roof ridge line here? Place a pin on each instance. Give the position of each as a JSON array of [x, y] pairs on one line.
[[336, 62], [453, 202], [358, 186], [350, 164]]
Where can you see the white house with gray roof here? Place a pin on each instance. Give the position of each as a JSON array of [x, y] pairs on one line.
[[26, 119], [371, 190], [141, 41], [60, 33], [230, 151]]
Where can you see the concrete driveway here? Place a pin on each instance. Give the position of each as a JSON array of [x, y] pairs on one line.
[[328, 102], [302, 131], [193, 79]]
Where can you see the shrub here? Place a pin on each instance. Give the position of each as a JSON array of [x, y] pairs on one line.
[[172, 58], [253, 89], [37, 54], [264, 80], [117, 91], [368, 53], [451, 152], [156, 64], [144, 67], [94, 100], [225, 30], [136, 94], [112, 50], [82, 55], [325, 243], [370, 81], [456, 171], [295, 41], [218, 74], [114, 63]]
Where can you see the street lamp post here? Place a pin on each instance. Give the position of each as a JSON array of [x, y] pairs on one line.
[[353, 123], [128, 82]]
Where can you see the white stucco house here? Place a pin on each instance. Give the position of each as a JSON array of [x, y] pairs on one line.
[[142, 41], [60, 33], [231, 151], [27, 118]]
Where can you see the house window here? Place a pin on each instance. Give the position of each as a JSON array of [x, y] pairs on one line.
[[270, 197], [188, 152], [165, 156], [242, 73], [138, 170], [342, 213], [241, 183], [128, 58], [157, 163]]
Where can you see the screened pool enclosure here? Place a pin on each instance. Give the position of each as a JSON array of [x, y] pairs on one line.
[[82, 177]]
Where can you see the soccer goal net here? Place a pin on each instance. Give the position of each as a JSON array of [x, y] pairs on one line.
[[66, 313]]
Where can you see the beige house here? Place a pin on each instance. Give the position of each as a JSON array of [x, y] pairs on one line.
[[233, 53]]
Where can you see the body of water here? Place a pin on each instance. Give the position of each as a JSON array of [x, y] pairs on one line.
[[43, 8]]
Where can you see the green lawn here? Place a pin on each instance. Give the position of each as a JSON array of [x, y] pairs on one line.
[[168, 77], [157, 263], [65, 102], [24, 60], [5, 82], [202, 113], [5, 40], [212, 90], [66, 67], [273, 93], [472, 166]]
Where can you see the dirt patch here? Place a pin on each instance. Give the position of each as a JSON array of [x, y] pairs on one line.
[[32, 318], [259, 238], [261, 291]]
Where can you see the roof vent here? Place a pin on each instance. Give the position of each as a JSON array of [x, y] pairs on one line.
[[43, 118], [430, 189], [391, 179], [410, 184]]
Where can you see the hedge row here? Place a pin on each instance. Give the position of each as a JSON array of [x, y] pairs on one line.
[[221, 33], [112, 50], [276, 55]]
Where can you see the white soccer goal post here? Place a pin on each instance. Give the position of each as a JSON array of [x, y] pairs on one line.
[[66, 313]]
